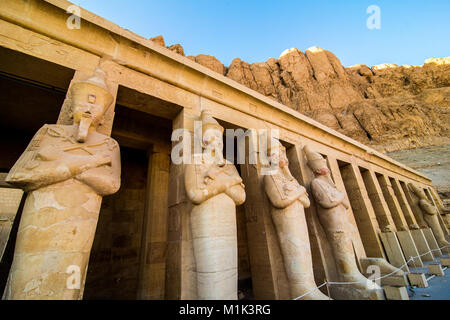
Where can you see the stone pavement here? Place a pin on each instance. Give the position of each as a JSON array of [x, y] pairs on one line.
[[438, 287]]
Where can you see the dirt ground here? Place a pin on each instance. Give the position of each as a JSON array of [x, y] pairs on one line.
[[432, 161]]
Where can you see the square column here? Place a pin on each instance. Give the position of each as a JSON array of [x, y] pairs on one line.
[[393, 204], [152, 270], [266, 263], [398, 191], [322, 255], [389, 239], [393, 250], [180, 283], [417, 212], [422, 245], [409, 248], [376, 197], [432, 243], [364, 214], [440, 206], [355, 234]]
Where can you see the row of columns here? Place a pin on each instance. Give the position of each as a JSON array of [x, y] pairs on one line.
[[167, 266], [381, 215]]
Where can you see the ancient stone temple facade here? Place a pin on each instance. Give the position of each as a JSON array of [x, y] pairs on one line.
[[94, 205]]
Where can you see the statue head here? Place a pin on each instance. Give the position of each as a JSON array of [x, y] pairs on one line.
[[277, 153], [316, 162], [419, 192], [212, 137], [91, 98]]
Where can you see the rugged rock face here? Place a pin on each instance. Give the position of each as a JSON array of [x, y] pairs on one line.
[[388, 107]]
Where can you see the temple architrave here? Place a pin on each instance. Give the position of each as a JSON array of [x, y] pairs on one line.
[[94, 206]]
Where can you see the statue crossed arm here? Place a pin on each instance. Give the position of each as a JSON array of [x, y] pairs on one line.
[[322, 196], [203, 183], [284, 198], [50, 163]]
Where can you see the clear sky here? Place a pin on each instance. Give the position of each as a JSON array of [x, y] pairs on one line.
[[256, 30]]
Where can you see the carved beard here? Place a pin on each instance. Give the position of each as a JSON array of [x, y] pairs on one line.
[[83, 129]]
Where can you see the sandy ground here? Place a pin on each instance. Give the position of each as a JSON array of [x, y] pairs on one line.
[[432, 161]]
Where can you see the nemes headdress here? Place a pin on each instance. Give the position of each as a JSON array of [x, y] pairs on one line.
[[92, 90], [315, 160], [208, 122]]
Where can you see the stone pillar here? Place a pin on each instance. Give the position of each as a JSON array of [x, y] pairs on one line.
[[393, 204], [269, 279], [393, 250], [432, 243], [322, 255], [363, 210], [436, 201], [152, 268], [403, 234], [413, 204], [376, 197], [388, 234], [422, 245], [398, 191], [353, 228], [180, 263]]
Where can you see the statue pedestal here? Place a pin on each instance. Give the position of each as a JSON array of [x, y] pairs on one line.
[[422, 245], [347, 292], [409, 248], [418, 280], [393, 250], [396, 293], [432, 243]]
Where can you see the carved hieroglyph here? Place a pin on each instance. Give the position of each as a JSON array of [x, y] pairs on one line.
[[215, 188], [429, 214], [332, 206], [66, 169], [288, 199]]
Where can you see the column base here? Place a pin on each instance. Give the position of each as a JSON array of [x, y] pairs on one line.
[[393, 250], [432, 243], [346, 292], [422, 245], [418, 280], [409, 248], [436, 269], [396, 293]]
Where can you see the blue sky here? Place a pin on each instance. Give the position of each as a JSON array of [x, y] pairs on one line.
[[255, 31]]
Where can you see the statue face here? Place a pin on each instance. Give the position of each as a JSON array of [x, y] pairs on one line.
[[213, 144], [322, 171], [278, 157], [88, 109], [85, 114]]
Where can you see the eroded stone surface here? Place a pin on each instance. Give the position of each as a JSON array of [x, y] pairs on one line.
[[66, 169]]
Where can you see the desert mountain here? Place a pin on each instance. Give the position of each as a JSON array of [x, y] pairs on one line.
[[388, 107]]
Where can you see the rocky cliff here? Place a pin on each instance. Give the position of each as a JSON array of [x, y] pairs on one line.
[[388, 107]]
